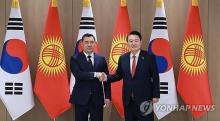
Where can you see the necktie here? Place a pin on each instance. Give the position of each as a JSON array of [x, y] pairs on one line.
[[133, 66], [89, 60]]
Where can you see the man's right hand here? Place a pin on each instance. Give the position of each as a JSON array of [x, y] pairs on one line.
[[101, 76]]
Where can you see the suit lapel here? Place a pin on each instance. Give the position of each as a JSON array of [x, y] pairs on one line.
[[83, 57], [127, 65], [95, 61]]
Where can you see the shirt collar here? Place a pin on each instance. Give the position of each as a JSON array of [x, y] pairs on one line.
[[86, 54], [137, 54]]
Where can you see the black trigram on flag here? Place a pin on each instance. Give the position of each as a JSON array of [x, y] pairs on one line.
[[163, 87], [13, 88], [160, 23], [87, 23], [15, 24]]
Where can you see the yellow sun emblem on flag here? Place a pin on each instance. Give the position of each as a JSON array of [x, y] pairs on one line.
[[52, 60], [119, 47], [193, 59]]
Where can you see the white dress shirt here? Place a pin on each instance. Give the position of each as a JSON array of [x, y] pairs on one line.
[[92, 57]]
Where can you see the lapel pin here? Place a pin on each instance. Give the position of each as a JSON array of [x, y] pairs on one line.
[[142, 58]]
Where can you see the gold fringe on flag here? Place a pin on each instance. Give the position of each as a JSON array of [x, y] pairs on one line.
[[195, 3], [86, 3], [159, 3], [54, 3], [123, 3], [15, 4]]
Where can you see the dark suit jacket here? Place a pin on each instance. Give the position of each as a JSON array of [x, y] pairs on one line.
[[87, 86], [145, 83]]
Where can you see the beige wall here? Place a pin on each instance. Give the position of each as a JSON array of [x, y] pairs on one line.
[[141, 15]]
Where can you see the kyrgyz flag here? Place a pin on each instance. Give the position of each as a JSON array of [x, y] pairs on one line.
[[87, 25], [51, 84], [193, 82], [119, 47], [160, 47], [15, 80]]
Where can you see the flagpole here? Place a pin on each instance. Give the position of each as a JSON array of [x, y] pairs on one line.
[[103, 91], [192, 118]]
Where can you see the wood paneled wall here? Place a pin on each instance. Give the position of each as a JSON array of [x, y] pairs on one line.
[[141, 13]]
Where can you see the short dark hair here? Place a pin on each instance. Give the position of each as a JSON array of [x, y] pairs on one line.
[[88, 35], [135, 33]]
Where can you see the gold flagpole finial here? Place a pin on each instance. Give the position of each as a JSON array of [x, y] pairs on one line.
[[54, 3], [15, 4], [159, 3], [86, 3], [195, 3], [123, 3]]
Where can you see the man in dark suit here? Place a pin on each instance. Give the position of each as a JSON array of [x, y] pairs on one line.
[[89, 94], [140, 80]]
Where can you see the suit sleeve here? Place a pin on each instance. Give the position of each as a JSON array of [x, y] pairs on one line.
[[117, 76], [78, 73], [107, 86], [155, 77]]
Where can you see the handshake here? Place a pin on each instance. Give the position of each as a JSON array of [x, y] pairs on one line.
[[101, 76]]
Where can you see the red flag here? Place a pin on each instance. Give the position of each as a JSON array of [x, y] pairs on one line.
[[119, 47], [51, 84], [193, 83]]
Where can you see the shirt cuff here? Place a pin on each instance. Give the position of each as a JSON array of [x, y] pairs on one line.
[[95, 74]]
